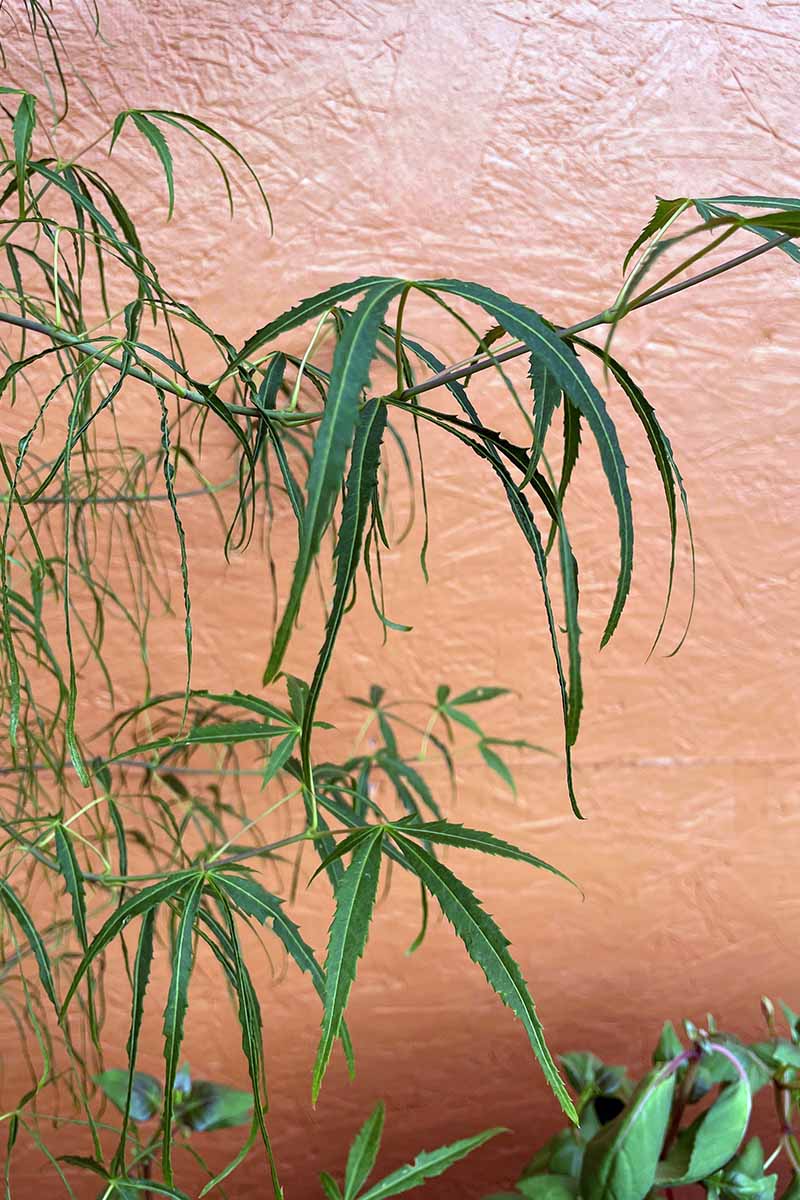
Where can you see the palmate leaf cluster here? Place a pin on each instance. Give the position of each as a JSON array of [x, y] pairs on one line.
[[137, 834]]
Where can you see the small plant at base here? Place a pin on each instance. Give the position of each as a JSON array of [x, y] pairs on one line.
[[636, 1140]]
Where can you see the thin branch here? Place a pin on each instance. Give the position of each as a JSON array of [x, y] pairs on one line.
[[442, 377], [603, 318]]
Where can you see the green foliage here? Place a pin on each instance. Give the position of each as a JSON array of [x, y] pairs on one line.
[[145, 828], [633, 1142], [364, 1151]]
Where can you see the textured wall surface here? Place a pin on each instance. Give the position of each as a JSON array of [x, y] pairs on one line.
[[519, 144]]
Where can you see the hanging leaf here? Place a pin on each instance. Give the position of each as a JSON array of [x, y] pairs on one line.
[[175, 1011], [487, 947], [355, 899], [711, 1140], [349, 375]]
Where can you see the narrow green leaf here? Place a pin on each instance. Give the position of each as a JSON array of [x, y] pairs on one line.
[[427, 1165], [349, 375], [361, 484], [141, 975], [21, 916], [448, 833], [665, 211], [487, 947], [305, 311], [363, 1152], [175, 1012], [147, 898], [22, 130], [158, 142], [329, 1186], [228, 733], [355, 899], [479, 695], [526, 325], [73, 880]]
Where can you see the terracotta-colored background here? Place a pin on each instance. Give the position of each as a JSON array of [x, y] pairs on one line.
[[518, 144]]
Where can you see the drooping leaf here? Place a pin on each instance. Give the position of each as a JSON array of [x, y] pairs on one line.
[[175, 1011], [349, 375], [487, 947], [355, 899], [134, 1103], [361, 483], [157, 893], [526, 325], [23, 919]]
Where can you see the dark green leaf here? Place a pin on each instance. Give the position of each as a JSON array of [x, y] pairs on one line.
[[20, 915], [487, 947], [711, 1140], [665, 211], [145, 1093], [349, 376], [449, 833], [175, 1011], [355, 899]]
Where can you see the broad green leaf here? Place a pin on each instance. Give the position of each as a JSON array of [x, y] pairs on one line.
[[449, 833], [363, 1152], [666, 210], [548, 1187], [175, 1011], [211, 1106], [526, 325], [145, 1094], [23, 919], [133, 1105], [355, 899], [561, 1154], [147, 898], [487, 947], [620, 1162], [669, 1045], [349, 376], [427, 1165], [581, 1068], [711, 1140]]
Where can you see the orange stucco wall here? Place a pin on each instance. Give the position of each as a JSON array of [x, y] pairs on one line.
[[519, 144]]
